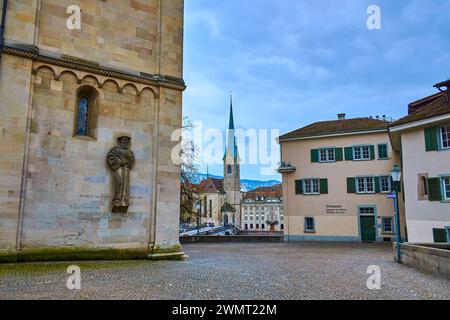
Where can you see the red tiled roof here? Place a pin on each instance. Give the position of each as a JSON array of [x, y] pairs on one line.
[[212, 185], [337, 127], [275, 191], [435, 108]]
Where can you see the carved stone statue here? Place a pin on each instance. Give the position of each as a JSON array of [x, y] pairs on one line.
[[121, 160]]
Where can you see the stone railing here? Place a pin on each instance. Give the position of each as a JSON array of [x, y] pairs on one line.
[[431, 258]]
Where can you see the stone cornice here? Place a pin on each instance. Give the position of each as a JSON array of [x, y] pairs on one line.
[[151, 80]]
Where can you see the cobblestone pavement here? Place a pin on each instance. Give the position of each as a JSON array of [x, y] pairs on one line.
[[232, 271]]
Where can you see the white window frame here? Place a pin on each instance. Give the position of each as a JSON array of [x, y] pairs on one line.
[[441, 134], [365, 191], [444, 188], [389, 184], [328, 152], [313, 225], [311, 186], [361, 152], [392, 225]]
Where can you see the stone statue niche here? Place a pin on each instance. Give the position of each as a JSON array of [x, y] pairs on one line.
[[121, 160]]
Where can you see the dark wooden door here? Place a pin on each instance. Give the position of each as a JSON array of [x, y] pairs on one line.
[[368, 230]]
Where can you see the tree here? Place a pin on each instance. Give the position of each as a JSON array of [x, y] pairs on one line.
[[189, 194]]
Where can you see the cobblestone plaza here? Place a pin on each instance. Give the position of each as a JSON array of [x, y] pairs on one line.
[[232, 271]]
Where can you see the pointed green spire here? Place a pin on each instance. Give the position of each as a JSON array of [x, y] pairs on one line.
[[231, 126]]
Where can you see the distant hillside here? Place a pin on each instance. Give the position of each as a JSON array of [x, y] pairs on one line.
[[246, 183]]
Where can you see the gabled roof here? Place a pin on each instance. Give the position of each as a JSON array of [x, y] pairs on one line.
[[435, 108], [275, 191], [336, 127], [212, 185]]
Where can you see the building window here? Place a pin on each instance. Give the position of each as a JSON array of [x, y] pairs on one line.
[[367, 211], [383, 151], [229, 170], [263, 226], [365, 185], [385, 184], [446, 187], [423, 186], [445, 137], [311, 186], [257, 226], [387, 225], [246, 226], [82, 116], [327, 155], [251, 226], [86, 114], [282, 227], [361, 153], [309, 225]]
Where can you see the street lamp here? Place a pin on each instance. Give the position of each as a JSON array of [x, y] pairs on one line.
[[396, 176], [198, 207]]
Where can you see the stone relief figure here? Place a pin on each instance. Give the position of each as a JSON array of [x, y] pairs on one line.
[[121, 160]]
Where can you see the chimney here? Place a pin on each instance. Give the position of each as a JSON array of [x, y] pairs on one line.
[[341, 116]]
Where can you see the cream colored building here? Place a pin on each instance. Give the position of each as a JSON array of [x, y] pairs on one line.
[[336, 181], [65, 97], [423, 140]]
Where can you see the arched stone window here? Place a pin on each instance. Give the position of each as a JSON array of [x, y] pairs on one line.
[[86, 113], [230, 170]]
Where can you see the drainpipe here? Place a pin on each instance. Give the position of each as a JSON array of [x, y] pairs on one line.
[[2, 26]]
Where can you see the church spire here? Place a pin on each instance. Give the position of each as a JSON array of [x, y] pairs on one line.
[[231, 148], [231, 125]]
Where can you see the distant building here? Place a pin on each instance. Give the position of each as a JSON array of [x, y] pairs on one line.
[[262, 209], [221, 198], [423, 141], [336, 181]]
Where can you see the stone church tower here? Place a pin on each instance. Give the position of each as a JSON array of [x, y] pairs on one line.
[[67, 94], [232, 175]]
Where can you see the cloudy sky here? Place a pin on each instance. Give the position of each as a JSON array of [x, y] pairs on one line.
[[293, 62]]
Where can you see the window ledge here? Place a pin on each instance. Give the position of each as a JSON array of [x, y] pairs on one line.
[[85, 138], [309, 232]]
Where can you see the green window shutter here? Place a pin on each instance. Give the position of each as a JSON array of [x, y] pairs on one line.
[[440, 235], [383, 151], [377, 185], [339, 154], [431, 139], [298, 186], [434, 189], [351, 187], [323, 186], [372, 152], [314, 155], [349, 154]]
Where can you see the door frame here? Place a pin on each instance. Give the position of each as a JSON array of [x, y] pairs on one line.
[[375, 215]]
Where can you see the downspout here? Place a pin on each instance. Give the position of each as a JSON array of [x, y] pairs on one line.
[[2, 26]]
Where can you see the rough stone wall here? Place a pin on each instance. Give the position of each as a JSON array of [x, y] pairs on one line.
[[115, 33], [426, 258], [15, 77], [68, 197], [65, 195]]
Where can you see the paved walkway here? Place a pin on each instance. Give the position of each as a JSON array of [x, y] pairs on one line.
[[232, 271]]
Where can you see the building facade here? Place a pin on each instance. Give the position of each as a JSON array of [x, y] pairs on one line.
[[221, 198], [336, 181], [66, 96], [422, 139], [262, 210]]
